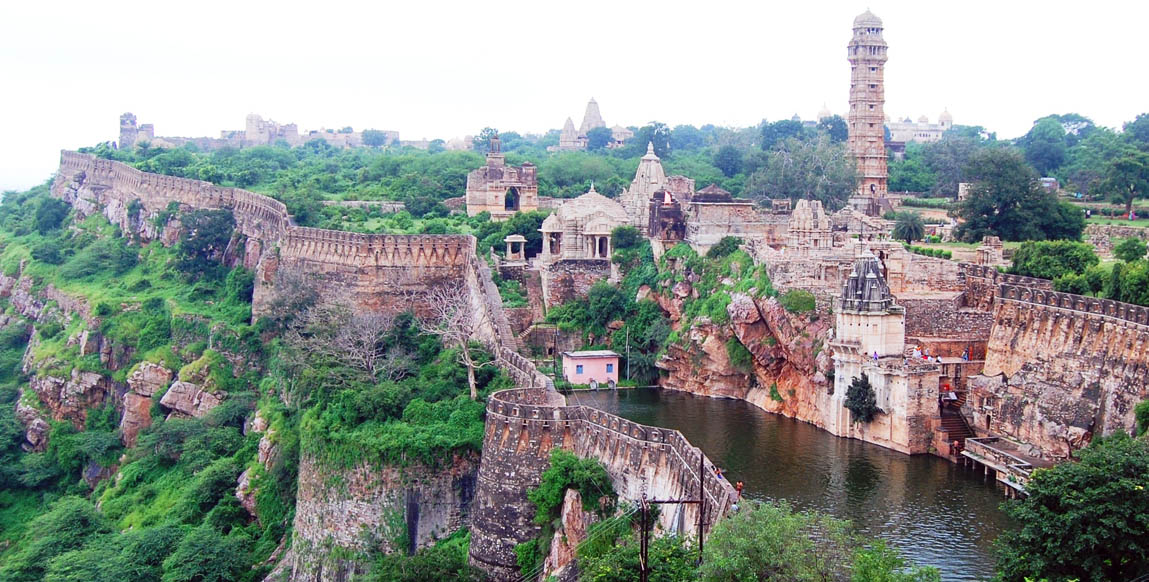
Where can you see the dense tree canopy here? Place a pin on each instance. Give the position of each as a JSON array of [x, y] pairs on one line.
[[1006, 201], [814, 169]]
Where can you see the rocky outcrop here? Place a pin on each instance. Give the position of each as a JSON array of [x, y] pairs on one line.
[[36, 429], [187, 399], [143, 383], [788, 368], [572, 531], [71, 397], [374, 508]]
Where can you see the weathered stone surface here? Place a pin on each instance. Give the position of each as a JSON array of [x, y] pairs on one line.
[[36, 429], [245, 493], [572, 531], [367, 508], [189, 399], [70, 398], [143, 383]]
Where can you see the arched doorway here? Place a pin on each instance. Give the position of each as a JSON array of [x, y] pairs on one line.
[[602, 244], [511, 200]]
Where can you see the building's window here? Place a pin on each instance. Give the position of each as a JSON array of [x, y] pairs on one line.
[[578, 369], [610, 368]]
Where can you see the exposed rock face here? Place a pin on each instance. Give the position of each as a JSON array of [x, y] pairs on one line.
[[147, 380], [372, 508], [36, 428], [70, 398], [190, 399], [786, 350], [572, 531]]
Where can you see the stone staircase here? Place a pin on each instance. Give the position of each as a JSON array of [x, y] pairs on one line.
[[954, 426]]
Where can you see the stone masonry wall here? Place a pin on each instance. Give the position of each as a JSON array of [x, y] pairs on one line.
[[944, 317], [569, 279]]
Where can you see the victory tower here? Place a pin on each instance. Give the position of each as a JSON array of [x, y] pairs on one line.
[[867, 55]]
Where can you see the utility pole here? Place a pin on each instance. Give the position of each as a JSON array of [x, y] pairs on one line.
[[628, 353], [644, 525]]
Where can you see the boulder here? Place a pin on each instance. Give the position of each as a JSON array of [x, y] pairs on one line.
[[189, 399]]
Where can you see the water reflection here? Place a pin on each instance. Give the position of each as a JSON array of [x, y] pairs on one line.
[[935, 512]]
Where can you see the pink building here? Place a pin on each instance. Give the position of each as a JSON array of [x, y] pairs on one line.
[[582, 367]]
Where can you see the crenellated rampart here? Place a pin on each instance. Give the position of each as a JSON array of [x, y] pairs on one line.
[[525, 425], [391, 273]]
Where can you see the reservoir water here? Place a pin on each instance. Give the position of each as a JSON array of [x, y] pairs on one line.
[[936, 513]]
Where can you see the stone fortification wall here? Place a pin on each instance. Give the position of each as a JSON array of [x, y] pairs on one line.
[[524, 425], [944, 316], [568, 279], [1104, 236], [980, 285], [1060, 368]]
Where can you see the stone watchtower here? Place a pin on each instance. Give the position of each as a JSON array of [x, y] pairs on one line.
[[867, 55], [128, 131]]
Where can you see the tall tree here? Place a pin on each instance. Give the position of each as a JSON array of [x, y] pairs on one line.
[[374, 138], [1127, 178], [815, 169], [686, 138], [456, 322], [482, 142], [947, 160], [1045, 145], [835, 127], [1006, 201], [1137, 131], [779, 131], [729, 160], [654, 132], [1084, 520], [598, 138]]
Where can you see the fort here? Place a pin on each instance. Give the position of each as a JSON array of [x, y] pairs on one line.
[[523, 424], [257, 131]]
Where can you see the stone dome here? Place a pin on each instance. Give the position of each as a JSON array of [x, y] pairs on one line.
[[824, 113], [945, 117], [867, 19]]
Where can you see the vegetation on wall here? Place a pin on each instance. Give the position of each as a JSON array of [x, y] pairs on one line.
[[861, 400]]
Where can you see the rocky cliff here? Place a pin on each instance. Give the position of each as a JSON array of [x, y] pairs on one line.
[[787, 368], [344, 515]]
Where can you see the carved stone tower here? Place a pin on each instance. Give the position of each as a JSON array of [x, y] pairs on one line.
[[867, 55], [128, 131]]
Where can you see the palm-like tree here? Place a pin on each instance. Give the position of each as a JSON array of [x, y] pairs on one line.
[[909, 227]]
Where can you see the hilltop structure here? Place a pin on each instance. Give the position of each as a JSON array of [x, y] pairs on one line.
[[571, 139], [257, 131], [650, 180], [500, 189], [866, 144], [920, 131]]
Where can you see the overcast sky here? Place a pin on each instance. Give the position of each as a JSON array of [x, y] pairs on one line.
[[432, 69]]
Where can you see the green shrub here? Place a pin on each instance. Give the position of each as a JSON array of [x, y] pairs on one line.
[[740, 357], [798, 301], [774, 394], [103, 257], [727, 245]]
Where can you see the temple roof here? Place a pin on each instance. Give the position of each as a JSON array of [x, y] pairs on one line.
[[589, 206], [867, 19], [866, 288]]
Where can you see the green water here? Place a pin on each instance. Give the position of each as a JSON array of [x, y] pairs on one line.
[[935, 512]]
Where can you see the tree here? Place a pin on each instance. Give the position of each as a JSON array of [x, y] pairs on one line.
[[67, 526], [456, 322], [205, 237], [767, 541], [1052, 259], [1137, 131], [909, 227], [1045, 145], [1127, 178], [685, 138], [773, 133], [814, 169], [947, 160], [206, 556], [482, 142], [724, 247], [375, 138], [625, 237], [911, 174], [861, 400], [436, 146], [1130, 249], [1087, 162], [598, 138], [353, 337], [654, 132], [50, 214], [1083, 520], [729, 160], [1006, 201], [835, 127]]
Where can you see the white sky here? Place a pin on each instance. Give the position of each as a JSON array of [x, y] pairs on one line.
[[438, 69]]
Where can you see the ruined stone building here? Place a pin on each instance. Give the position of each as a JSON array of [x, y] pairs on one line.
[[809, 230], [713, 213], [870, 339], [866, 144], [649, 180], [571, 139], [500, 189], [257, 131]]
